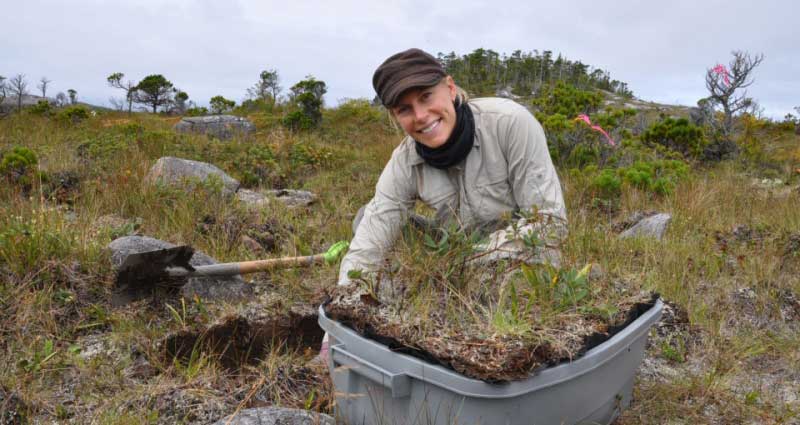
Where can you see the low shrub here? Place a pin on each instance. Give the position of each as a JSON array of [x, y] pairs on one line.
[[42, 108], [196, 111], [18, 165], [658, 177], [301, 154], [102, 146], [567, 100], [73, 114], [18, 159], [355, 111], [678, 135], [129, 129], [297, 120], [258, 165]]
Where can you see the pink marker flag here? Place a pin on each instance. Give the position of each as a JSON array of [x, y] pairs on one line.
[[585, 118], [721, 70]]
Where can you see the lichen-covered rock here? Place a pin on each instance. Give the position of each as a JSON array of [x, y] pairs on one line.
[[653, 226], [276, 416], [222, 127], [210, 288], [187, 173], [289, 197]]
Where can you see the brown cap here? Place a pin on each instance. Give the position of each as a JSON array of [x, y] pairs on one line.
[[405, 70]]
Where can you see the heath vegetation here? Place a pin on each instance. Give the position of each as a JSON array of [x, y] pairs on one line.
[[73, 179]]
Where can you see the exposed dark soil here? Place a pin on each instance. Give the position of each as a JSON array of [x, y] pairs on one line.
[[237, 340], [492, 358]]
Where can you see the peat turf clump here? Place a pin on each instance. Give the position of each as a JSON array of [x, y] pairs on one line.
[[510, 343]]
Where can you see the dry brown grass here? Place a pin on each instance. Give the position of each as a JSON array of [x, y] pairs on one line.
[[735, 361]]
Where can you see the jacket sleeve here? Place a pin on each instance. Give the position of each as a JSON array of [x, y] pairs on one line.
[[535, 185], [383, 218]]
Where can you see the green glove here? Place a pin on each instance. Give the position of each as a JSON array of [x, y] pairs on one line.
[[336, 252]]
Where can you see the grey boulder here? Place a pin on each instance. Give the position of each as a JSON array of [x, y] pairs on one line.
[[222, 127], [186, 173], [653, 226], [209, 288], [276, 416]]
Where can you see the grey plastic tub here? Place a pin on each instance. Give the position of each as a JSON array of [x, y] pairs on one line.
[[375, 385]]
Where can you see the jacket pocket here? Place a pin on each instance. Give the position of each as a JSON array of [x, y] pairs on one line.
[[494, 199], [435, 197]]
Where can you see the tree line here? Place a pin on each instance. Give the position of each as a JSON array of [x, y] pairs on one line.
[[16, 87], [485, 72]]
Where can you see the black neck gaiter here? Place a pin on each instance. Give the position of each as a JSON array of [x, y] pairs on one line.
[[457, 146]]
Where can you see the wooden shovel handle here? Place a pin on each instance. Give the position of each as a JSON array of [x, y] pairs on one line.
[[279, 263], [244, 267]]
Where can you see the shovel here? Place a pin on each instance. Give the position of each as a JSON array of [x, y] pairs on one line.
[[143, 274]]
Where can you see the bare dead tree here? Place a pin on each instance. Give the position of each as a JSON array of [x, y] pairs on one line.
[[73, 96], [43, 82], [727, 87], [115, 80], [18, 87]]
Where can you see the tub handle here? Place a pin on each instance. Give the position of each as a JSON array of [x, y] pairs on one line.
[[398, 383]]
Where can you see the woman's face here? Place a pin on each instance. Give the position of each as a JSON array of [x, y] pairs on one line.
[[428, 114]]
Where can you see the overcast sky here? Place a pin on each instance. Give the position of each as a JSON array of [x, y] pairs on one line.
[[661, 49]]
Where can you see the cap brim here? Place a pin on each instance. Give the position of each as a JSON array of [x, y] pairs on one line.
[[415, 81]]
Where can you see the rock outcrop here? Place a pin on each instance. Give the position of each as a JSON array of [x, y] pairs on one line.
[[276, 416], [210, 288], [653, 226], [222, 127], [187, 173]]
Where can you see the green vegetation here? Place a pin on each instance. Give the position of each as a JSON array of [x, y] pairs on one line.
[[306, 101], [731, 357], [153, 91], [18, 160], [73, 114], [677, 135], [220, 105], [484, 71]]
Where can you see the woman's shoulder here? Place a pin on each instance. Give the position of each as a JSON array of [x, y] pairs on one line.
[[496, 105], [405, 154]]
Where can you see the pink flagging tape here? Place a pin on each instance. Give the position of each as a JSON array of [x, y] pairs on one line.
[[585, 118], [721, 70]]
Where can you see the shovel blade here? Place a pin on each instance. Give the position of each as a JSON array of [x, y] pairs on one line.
[[146, 274]]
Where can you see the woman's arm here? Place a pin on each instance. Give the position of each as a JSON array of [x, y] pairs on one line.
[[535, 186], [383, 218]]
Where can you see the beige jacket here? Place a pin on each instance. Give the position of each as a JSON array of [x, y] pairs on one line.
[[509, 169]]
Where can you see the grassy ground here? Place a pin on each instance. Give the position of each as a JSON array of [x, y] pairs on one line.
[[729, 351]]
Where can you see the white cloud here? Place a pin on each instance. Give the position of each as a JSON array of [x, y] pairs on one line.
[[210, 47]]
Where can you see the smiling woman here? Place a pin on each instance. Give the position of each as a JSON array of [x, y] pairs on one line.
[[472, 161], [428, 114]]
